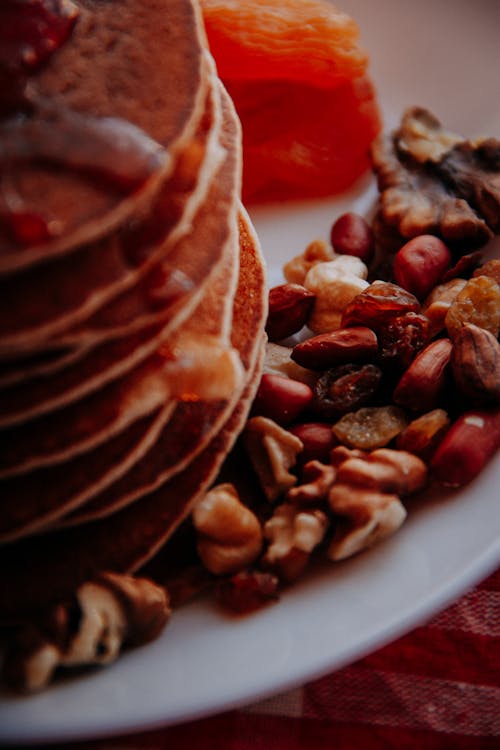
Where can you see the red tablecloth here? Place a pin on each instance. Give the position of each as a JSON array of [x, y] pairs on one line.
[[437, 688]]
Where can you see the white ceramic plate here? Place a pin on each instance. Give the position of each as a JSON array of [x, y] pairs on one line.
[[444, 56]]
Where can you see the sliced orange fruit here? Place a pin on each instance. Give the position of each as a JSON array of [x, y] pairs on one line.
[[300, 84], [299, 40]]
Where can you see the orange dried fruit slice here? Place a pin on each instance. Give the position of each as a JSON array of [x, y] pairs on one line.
[[299, 81], [302, 142], [299, 40]]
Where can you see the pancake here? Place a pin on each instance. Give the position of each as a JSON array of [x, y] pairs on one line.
[[51, 297], [192, 424], [153, 80], [193, 257], [36, 571], [31, 500]]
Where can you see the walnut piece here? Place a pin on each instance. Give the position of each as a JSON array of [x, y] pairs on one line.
[[229, 533], [292, 534], [317, 478], [365, 497], [273, 452], [365, 517], [386, 470], [419, 171], [107, 613]]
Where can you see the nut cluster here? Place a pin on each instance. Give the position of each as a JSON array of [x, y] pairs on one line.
[[391, 384]]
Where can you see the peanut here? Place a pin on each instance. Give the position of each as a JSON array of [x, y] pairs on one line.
[[352, 235], [345, 345], [289, 309], [467, 447], [281, 399], [422, 384], [421, 263]]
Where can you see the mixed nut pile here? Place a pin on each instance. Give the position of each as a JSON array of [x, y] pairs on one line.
[[390, 382]]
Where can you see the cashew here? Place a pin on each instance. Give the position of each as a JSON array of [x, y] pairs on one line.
[[335, 283], [316, 252]]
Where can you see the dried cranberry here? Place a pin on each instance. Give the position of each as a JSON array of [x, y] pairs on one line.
[[345, 388], [247, 591]]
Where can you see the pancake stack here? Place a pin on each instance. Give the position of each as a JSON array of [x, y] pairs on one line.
[[132, 299]]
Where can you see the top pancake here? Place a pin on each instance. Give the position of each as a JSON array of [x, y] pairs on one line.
[[152, 83]]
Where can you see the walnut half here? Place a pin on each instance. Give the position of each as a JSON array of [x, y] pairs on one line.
[[107, 613], [434, 182]]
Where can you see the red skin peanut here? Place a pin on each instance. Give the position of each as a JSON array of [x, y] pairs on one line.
[[317, 438], [467, 447], [352, 235], [281, 399], [420, 264], [344, 345], [289, 308], [422, 384]]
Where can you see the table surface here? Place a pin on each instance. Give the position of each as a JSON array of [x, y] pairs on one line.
[[436, 688]]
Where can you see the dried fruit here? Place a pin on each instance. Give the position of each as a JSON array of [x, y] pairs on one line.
[[475, 363], [289, 309], [352, 235], [438, 303], [478, 303], [345, 388], [421, 263], [491, 268], [402, 338], [281, 399], [423, 434], [345, 345], [371, 427], [247, 591], [378, 304], [422, 384], [469, 444]]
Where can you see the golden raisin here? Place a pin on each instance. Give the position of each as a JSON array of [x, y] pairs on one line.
[[423, 434], [371, 427], [477, 303], [491, 268]]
